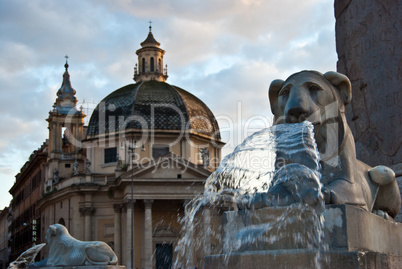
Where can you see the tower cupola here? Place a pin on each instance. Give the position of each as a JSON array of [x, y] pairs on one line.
[[66, 100], [150, 61]]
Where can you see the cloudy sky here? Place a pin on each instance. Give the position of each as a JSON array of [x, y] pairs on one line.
[[226, 52]]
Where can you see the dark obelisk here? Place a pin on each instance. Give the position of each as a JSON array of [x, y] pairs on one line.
[[369, 47]]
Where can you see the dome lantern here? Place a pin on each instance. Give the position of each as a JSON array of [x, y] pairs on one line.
[[150, 61]]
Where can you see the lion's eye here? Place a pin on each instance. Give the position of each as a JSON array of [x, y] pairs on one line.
[[284, 91], [314, 88]]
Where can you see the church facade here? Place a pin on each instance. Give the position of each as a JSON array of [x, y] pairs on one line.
[[126, 177]]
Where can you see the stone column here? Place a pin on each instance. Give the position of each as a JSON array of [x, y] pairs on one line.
[[59, 143], [117, 230], [76, 139], [130, 236], [148, 234], [51, 137], [73, 129], [55, 125], [54, 137]]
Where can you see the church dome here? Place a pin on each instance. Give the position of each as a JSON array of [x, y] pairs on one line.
[[152, 105]]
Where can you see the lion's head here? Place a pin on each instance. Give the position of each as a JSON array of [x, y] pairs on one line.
[[318, 98], [55, 230]]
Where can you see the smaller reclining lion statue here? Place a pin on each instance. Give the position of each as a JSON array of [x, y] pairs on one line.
[[321, 99], [65, 250]]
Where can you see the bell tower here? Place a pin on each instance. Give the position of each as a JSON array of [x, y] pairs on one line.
[[150, 61], [65, 130]]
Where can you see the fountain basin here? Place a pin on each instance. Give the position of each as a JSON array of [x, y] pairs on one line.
[[354, 239]]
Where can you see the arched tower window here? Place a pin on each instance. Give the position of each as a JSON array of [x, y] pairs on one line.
[[143, 65], [152, 64], [62, 222], [160, 65]]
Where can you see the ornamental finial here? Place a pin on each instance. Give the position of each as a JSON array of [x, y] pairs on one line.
[[66, 65]]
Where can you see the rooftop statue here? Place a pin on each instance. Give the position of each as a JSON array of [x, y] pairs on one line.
[[205, 156], [321, 99], [75, 167]]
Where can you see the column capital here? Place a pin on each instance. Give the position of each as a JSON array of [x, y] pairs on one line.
[[127, 203], [148, 202]]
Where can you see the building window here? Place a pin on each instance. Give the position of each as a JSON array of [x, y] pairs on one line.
[[143, 65], [110, 155], [160, 66], [152, 64], [159, 150]]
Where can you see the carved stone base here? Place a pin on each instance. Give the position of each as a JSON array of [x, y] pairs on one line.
[[346, 228], [302, 259], [354, 237], [85, 267]]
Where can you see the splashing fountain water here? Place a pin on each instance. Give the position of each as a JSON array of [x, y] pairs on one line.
[[278, 166]]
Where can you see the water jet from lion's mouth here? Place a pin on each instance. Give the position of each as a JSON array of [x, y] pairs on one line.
[[251, 171]]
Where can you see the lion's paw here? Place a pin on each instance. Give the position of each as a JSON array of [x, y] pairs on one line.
[[382, 214]]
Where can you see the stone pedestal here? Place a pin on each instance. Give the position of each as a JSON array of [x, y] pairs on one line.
[[354, 239]]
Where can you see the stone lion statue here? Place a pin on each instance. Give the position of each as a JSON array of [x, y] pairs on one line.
[[65, 250], [321, 99]]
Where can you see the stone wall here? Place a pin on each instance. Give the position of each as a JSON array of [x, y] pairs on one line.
[[369, 47]]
